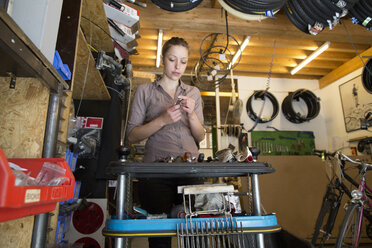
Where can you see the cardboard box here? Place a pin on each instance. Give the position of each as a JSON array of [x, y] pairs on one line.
[[127, 16], [128, 38]]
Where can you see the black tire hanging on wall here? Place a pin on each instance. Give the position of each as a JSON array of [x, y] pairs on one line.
[[367, 76], [311, 101], [262, 94], [176, 5]]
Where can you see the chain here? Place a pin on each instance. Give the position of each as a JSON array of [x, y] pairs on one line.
[[271, 68]]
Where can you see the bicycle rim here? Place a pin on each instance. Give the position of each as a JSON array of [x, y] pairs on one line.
[[350, 229]]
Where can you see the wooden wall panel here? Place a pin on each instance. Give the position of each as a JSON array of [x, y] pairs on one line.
[[16, 233], [23, 112]]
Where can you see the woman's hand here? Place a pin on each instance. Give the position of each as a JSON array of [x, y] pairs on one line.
[[171, 114], [187, 104]]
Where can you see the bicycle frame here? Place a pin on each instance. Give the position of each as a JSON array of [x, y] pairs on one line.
[[341, 189], [360, 197]]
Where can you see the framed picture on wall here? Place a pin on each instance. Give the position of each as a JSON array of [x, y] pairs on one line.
[[356, 103]]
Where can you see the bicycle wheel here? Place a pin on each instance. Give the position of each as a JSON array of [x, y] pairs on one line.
[[350, 229], [324, 225]]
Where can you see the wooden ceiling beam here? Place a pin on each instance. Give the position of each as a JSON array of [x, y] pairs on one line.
[[344, 69], [210, 20]]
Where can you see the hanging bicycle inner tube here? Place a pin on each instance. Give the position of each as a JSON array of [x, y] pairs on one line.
[[310, 100], [367, 76], [262, 95]]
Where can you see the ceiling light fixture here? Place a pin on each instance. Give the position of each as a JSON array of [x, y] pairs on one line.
[[312, 56], [240, 50], [160, 41]]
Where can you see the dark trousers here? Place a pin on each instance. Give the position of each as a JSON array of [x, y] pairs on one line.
[[157, 196]]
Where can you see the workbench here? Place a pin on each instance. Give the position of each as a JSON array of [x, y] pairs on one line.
[[122, 228]]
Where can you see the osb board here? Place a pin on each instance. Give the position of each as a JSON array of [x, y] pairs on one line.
[[65, 116], [23, 112], [93, 87], [53, 223], [16, 233], [295, 192], [93, 20]]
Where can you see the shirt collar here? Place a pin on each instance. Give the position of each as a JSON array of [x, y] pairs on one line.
[[181, 84]]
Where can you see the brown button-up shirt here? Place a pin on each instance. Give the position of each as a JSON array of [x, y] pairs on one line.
[[150, 100]]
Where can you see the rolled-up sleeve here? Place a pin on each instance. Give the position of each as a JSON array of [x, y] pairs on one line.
[[198, 106], [138, 110]]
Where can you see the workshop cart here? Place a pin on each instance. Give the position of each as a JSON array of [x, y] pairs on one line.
[[192, 232]]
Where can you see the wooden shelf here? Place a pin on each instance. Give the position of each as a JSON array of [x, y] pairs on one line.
[[94, 87], [22, 58], [75, 49], [93, 20]]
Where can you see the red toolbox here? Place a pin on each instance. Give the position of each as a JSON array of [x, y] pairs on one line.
[[21, 201]]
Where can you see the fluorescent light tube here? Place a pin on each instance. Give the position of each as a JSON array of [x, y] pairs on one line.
[[240, 50], [160, 42], [312, 56]]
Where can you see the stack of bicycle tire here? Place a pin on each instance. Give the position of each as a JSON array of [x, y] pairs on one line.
[[177, 5], [252, 9], [361, 13], [313, 16]]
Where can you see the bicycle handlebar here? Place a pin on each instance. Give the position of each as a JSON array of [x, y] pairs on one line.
[[323, 153], [358, 162]]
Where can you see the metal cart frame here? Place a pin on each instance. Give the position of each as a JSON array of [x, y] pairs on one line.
[[124, 171]]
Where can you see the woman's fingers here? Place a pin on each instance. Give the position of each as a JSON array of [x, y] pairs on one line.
[[187, 103]]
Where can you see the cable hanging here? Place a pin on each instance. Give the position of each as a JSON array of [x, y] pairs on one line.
[[217, 51]]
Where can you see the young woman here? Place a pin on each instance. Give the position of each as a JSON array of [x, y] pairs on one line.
[[168, 113]]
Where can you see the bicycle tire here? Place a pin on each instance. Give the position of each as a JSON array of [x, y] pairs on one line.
[[177, 5], [351, 220], [325, 216], [295, 18]]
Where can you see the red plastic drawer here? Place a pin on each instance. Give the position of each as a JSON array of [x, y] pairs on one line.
[[21, 201]]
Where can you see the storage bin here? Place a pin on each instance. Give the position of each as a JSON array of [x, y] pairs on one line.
[[21, 201]]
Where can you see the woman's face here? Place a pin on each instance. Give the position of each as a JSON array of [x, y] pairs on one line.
[[175, 61]]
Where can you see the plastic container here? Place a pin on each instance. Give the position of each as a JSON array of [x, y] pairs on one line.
[[21, 201], [62, 69]]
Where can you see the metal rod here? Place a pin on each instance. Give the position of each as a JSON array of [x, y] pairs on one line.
[[257, 206], [51, 127], [178, 237], [120, 205], [212, 232], [208, 239], [237, 231], [192, 234], [187, 235], [183, 237], [202, 233], [242, 233], [197, 235], [39, 233]]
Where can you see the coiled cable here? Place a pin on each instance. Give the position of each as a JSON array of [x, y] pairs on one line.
[[262, 94], [311, 101], [177, 5]]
